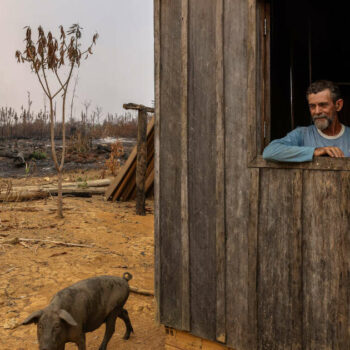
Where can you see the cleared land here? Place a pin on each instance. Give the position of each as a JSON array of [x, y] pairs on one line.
[[31, 272]]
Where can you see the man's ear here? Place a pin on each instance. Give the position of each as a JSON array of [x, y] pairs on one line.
[[339, 104], [33, 318]]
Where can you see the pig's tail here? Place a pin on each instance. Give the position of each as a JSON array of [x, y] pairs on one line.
[[127, 276]]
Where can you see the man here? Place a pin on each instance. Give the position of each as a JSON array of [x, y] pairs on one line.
[[326, 137]]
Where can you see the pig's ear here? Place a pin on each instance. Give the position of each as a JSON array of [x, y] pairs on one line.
[[33, 318], [66, 316]]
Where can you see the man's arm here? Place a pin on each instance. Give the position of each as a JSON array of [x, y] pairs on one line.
[[289, 149]]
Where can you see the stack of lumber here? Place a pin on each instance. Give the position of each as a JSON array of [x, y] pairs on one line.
[[81, 189], [123, 187]]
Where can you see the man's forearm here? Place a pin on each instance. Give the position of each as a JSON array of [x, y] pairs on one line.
[[280, 152]]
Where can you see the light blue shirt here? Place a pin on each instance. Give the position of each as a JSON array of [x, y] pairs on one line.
[[299, 145]]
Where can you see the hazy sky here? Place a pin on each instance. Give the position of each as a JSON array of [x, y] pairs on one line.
[[120, 69]]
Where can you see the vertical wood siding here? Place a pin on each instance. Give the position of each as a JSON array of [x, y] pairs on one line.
[[185, 240], [237, 175], [279, 260], [303, 260], [326, 260], [170, 249], [202, 161], [254, 258]]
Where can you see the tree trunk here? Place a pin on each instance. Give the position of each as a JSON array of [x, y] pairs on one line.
[[141, 163], [59, 195]]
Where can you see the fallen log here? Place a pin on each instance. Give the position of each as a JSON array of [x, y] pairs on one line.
[[89, 183], [78, 192], [67, 185], [23, 196]]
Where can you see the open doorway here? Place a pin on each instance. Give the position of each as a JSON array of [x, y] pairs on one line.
[[308, 41]]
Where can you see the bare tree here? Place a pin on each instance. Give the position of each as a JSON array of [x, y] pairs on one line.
[[98, 113], [86, 104], [29, 102], [49, 55], [73, 97]]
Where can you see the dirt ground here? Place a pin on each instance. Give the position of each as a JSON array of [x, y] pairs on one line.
[[31, 273]]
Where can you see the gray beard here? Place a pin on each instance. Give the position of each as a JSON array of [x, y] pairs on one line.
[[322, 122]]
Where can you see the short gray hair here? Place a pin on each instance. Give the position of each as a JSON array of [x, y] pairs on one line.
[[321, 85]]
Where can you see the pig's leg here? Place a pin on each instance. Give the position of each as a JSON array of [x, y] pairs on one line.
[[123, 314], [110, 328], [82, 344]]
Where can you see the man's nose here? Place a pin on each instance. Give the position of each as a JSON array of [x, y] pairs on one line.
[[318, 110]]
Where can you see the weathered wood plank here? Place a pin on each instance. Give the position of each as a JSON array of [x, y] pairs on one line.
[[251, 56], [170, 164], [220, 178], [279, 260], [318, 163], [237, 176], [202, 163], [185, 341], [186, 312], [141, 162], [326, 260], [253, 215], [157, 262], [129, 167], [343, 324]]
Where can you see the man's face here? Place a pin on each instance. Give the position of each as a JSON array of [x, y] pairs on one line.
[[322, 108]]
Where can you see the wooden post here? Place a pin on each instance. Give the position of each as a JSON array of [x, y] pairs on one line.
[[141, 162]]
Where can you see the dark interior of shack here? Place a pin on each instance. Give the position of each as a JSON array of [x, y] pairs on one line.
[[309, 41]]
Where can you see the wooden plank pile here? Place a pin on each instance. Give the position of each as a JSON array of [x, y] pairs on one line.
[[123, 188]]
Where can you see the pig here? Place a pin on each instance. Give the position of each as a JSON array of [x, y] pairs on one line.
[[82, 308]]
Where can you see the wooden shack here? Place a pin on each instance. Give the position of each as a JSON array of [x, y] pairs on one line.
[[249, 254]]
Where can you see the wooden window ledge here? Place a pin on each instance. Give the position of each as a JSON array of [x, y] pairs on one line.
[[318, 163]]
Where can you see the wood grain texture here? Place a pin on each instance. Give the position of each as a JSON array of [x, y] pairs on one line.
[[220, 178], [170, 164], [252, 61], [237, 175], [253, 229], [326, 260], [141, 162], [279, 260], [202, 163], [186, 313], [318, 163], [157, 262]]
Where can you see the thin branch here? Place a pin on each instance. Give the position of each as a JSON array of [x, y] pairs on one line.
[[42, 85], [63, 86], [45, 79]]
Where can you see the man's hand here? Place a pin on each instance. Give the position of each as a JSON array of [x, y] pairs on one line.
[[333, 152]]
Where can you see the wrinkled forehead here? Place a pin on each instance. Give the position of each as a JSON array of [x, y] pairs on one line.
[[320, 97], [49, 319]]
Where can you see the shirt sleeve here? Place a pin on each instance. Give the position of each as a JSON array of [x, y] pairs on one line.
[[289, 149]]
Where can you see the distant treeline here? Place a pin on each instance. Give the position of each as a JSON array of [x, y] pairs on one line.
[[30, 125]]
